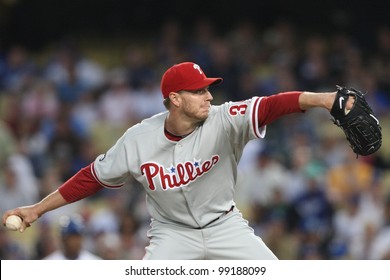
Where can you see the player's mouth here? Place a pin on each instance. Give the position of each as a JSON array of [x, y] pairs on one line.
[[206, 109]]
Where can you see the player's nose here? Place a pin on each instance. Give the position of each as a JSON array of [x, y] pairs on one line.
[[209, 96]]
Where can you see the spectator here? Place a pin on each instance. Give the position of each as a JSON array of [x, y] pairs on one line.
[[350, 228], [17, 183], [18, 70], [71, 245], [68, 61], [266, 173], [349, 177], [380, 248], [116, 103]]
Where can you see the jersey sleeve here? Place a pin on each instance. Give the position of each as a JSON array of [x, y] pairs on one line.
[[241, 120], [111, 169], [246, 120]]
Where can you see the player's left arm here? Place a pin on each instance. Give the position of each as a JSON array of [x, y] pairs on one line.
[[325, 100], [274, 106], [309, 100]]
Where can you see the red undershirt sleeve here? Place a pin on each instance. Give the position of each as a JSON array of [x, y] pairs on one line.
[[80, 186], [274, 106]]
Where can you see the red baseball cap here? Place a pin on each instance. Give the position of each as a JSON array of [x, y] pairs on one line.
[[185, 76]]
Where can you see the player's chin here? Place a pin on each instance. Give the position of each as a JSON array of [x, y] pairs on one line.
[[201, 118], [205, 109], [203, 115]]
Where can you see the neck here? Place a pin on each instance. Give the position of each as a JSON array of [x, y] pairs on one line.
[[179, 127]]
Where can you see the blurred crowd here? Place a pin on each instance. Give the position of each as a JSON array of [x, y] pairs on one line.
[[301, 188]]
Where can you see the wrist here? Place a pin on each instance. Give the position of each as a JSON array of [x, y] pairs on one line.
[[329, 100], [38, 209]]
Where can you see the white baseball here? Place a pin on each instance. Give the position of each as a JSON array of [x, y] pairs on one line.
[[13, 222]]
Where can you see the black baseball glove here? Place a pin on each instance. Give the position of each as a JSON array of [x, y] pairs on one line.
[[360, 125]]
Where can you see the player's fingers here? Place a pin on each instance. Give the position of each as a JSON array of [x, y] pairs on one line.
[[9, 213], [23, 214], [350, 102], [24, 226]]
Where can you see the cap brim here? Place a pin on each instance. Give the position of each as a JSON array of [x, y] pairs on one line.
[[204, 83]]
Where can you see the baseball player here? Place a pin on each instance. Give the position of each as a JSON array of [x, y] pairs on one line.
[[186, 159]]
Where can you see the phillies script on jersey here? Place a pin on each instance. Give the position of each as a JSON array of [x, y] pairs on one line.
[[177, 176]]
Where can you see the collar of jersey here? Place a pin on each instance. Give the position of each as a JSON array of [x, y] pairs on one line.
[[174, 137]]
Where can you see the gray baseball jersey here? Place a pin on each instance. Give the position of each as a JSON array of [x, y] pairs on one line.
[[189, 182]]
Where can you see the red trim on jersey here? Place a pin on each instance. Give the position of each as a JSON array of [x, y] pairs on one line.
[[80, 186], [255, 118], [172, 136], [92, 170], [274, 106]]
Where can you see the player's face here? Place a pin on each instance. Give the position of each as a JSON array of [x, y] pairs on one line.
[[196, 104]]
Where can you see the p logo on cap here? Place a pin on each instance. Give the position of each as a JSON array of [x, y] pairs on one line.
[[185, 76], [196, 66]]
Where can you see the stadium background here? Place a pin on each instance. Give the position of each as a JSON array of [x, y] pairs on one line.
[[75, 75]]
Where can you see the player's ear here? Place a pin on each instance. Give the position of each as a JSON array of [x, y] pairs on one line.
[[175, 98]]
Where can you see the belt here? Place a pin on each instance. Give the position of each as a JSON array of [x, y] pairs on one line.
[[216, 219]]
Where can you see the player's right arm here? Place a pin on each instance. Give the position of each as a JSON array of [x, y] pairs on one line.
[[81, 185], [31, 213], [108, 170]]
